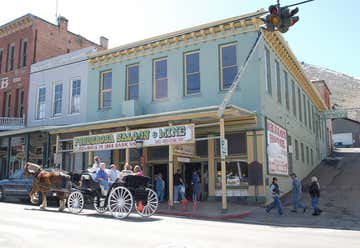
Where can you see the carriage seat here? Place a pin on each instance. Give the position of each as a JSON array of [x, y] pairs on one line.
[[134, 181]]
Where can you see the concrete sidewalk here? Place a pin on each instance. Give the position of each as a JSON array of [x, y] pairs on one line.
[[206, 210]]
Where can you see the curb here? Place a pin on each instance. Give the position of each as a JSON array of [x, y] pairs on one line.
[[203, 216]]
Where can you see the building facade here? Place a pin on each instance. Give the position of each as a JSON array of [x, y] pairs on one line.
[[24, 41], [180, 79]]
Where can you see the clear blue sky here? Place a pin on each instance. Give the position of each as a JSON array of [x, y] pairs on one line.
[[327, 34]]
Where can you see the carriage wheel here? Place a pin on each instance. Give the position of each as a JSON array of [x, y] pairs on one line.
[[120, 202], [102, 208], [75, 202], [151, 205]]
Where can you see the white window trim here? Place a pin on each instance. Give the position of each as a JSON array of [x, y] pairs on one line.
[[220, 58], [53, 100], [278, 84], [154, 78], [71, 97], [127, 96], [266, 71], [185, 73], [37, 103], [101, 105]]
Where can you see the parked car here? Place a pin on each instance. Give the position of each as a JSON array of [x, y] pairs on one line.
[[17, 186]]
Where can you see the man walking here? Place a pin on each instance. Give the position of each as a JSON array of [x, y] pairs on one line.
[[314, 192], [275, 191], [296, 185]]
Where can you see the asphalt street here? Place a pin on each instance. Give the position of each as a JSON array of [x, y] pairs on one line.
[[27, 226]]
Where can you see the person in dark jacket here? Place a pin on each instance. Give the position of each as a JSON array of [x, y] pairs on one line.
[[314, 192], [275, 192]]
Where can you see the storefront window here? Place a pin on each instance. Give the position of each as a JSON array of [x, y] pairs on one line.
[[105, 156], [17, 154], [36, 149], [236, 174], [236, 144], [159, 153], [3, 157], [202, 148]]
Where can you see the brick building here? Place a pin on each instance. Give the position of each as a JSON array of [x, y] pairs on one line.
[[24, 41]]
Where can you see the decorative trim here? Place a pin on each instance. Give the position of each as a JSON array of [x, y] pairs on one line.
[[15, 26]]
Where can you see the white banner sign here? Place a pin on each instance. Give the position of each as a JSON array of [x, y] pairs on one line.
[[277, 149], [160, 136]]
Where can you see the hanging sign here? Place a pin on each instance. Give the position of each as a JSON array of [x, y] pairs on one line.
[[277, 149], [160, 136]]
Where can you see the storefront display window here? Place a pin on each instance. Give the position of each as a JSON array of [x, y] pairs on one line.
[[36, 148], [105, 156], [202, 148], [159, 153], [236, 144], [17, 154], [3, 157], [236, 174]]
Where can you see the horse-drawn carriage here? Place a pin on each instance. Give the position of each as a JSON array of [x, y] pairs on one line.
[[122, 196]]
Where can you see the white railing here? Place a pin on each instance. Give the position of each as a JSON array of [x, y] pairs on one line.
[[11, 123]]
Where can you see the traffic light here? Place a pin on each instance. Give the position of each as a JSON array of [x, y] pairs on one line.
[[287, 19], [272, 20], [280, 18]]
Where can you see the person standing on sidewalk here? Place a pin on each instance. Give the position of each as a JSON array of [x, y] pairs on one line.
[[160, 187], [296, 184], [179, 187], [314, 192], [275, 191], [195, 181]]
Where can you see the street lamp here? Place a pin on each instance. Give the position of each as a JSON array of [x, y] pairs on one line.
[[139, 146]]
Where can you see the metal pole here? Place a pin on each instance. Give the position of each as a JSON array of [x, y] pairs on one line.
[[171, 174], [223, 171]]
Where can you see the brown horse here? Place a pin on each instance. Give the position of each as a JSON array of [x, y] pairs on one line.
[[44, 181]]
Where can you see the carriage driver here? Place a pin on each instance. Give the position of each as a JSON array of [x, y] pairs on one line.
[[103, 178]]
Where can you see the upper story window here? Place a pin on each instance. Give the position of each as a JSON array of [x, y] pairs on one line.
[[192, 73], [296, 150], [1, 57], [58, 96], [278, 82], [40, 110], [293, 96], [105, 89], [299, 104], [302, 152], [305, 114], [287, 100], [24, 46], [132, 82], [268, 71], [10, 57], [310, 115], [228, 64], [160, 78], [20, 103], [7, 104], [75, 96]]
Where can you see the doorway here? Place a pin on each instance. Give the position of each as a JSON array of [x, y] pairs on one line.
[[155, 169], [187, 171]]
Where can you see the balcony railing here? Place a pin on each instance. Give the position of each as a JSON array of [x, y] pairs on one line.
[[11, 123]]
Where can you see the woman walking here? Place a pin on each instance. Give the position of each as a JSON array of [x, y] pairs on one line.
[[275, 191]]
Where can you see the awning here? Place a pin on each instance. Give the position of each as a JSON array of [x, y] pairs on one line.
[[27, 130], [195, 115]]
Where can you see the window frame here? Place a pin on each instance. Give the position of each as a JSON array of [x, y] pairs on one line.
[[305, 112], [23, 55], [1, 58], [293, 92], [71, 96], [299, 103], [37, 113], [192, 73], [268, 85], [7, 103], [278, 81], [302, 151], [287, 92], [127, 90], [53, 99], [102, 91], [297, 157], [155, 79], [10, 58], [221, 46]]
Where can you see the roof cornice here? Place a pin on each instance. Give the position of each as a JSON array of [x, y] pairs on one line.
[[16, 25]]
